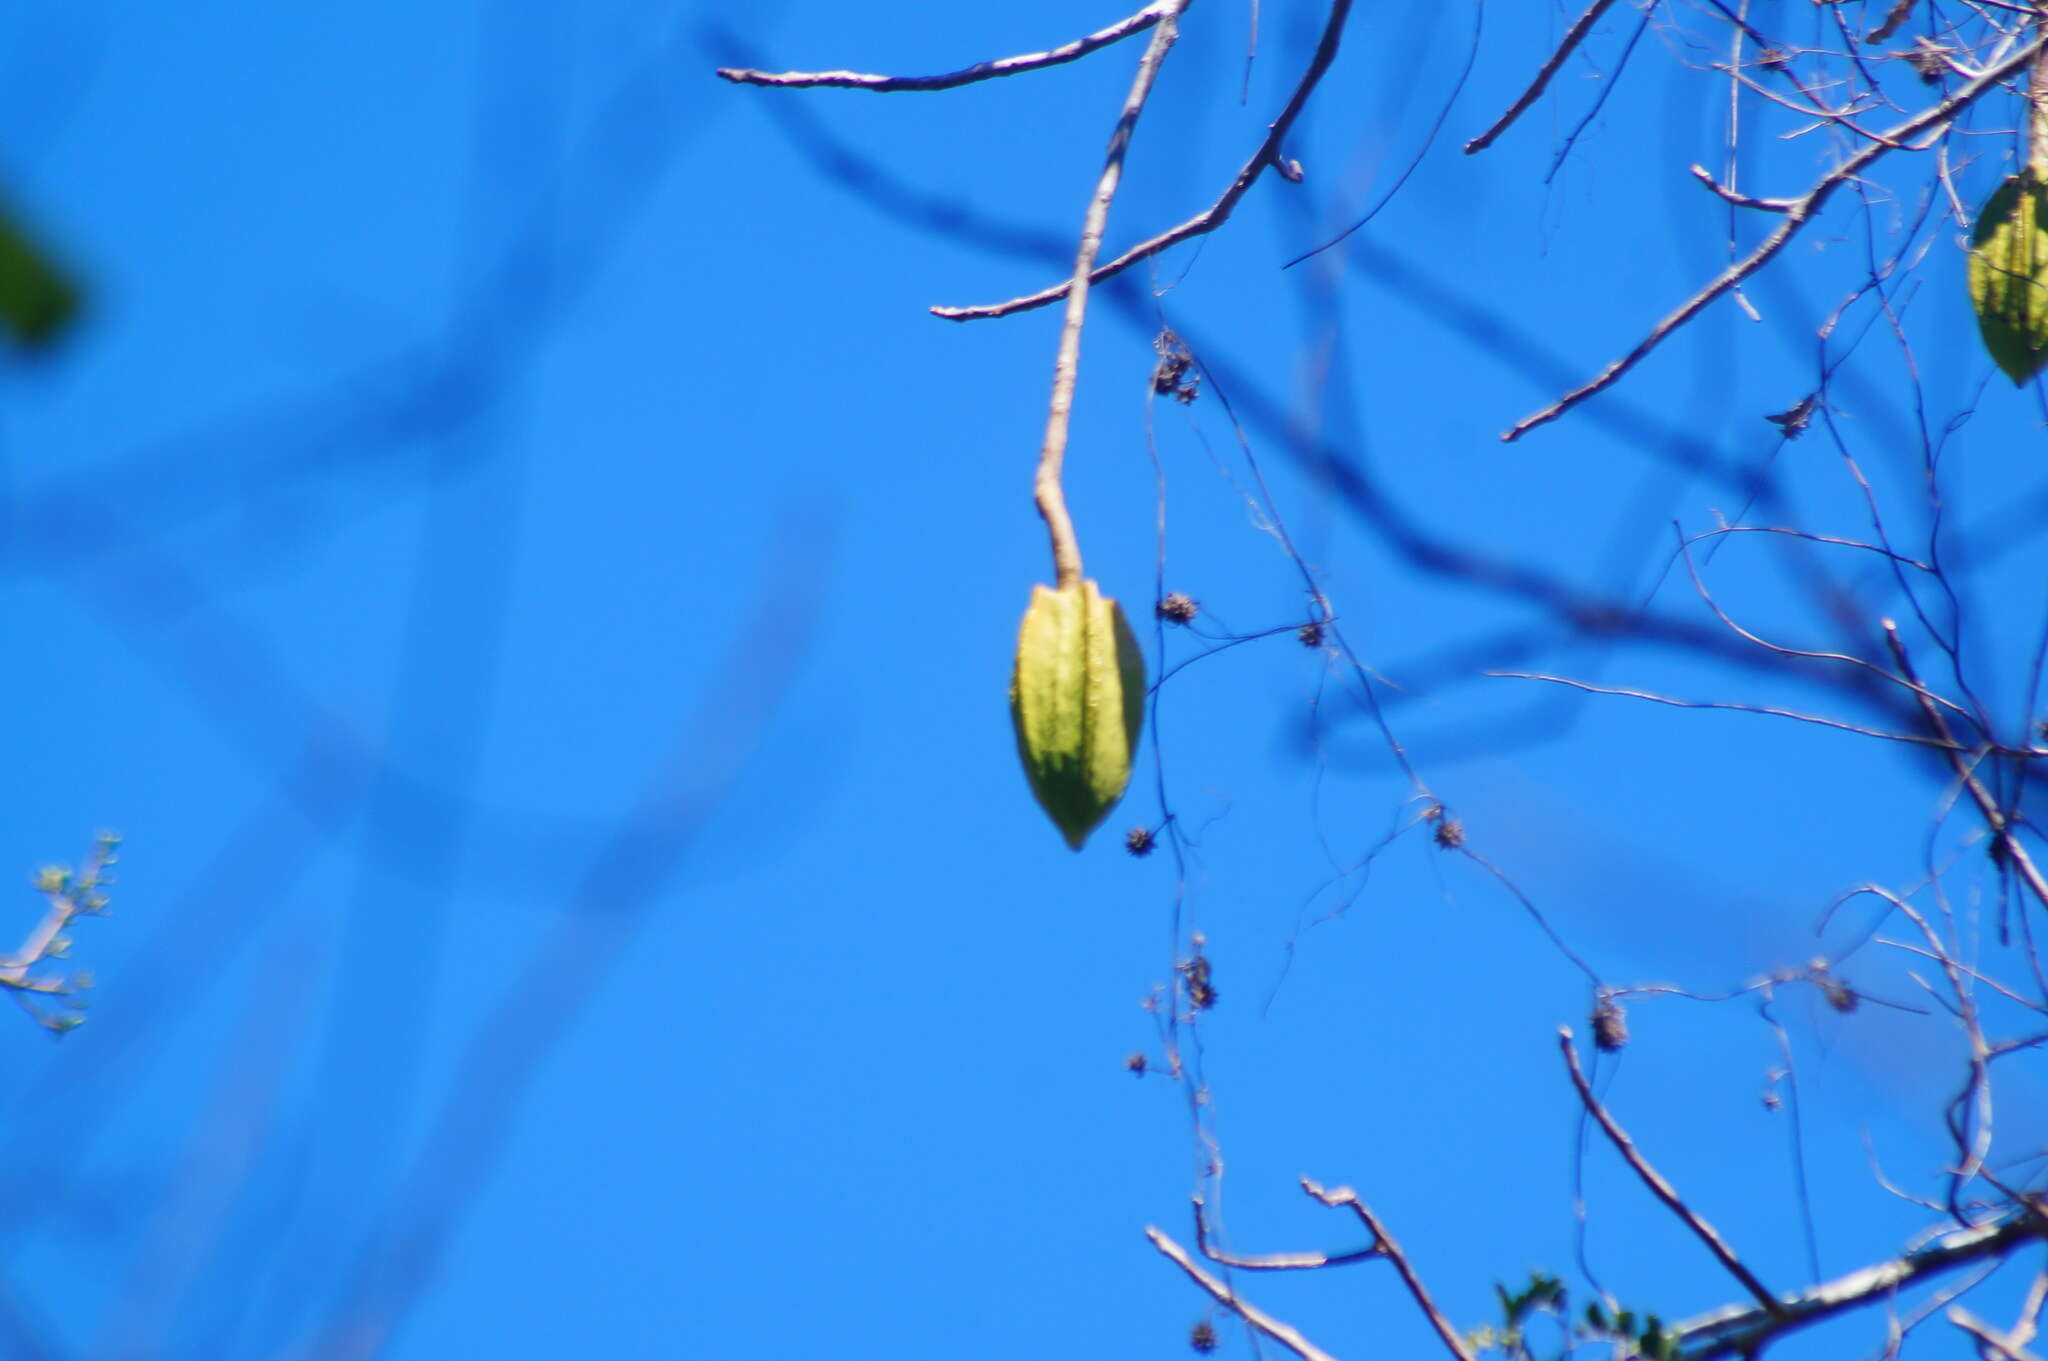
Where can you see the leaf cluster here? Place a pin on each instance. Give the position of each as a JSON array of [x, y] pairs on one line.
[[1633, 1336]]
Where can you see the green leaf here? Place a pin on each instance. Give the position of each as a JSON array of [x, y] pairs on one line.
[[37, 299], [2009, 275], [1077, 697]]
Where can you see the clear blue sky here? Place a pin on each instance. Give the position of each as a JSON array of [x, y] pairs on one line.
[[488, 427]]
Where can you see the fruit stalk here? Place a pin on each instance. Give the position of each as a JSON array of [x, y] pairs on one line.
[[1052, 452]]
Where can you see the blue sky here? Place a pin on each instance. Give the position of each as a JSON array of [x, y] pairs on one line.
[[512, 553]]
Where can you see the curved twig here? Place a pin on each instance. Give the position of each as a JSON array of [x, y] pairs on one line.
[[984, 70]]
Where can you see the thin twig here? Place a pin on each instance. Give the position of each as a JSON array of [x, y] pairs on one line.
[[1609, 83], [985, 70], [1268, 154], [1528, 905], [1659, 1187], [1983, 978], [1992, 1344], [1699, 587], [1270, 1261], [1813, 108], [1732, 707], [1385, 1246], [1977, 1090], [1994, 816], [1765, 205], [1257, 1319], [1573, 36], [1798, 213], [1832, 540], [1052, 501]]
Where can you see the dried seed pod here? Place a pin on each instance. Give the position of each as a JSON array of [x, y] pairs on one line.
[[1610, 1025], [2009, 275], [1078, 699]]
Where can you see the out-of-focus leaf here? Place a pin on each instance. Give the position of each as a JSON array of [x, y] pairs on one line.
[[37, 298]]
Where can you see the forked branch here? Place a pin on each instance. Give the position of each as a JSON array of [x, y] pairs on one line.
[[1267, 155], [1258, 1320], [1383, 1245], [1797, 213], [1737, 1331], [2010, 846]]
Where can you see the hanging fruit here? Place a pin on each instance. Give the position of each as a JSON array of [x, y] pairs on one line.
[[1077, 697], [2009, 275]]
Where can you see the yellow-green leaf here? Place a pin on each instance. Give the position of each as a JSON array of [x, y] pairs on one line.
[[1077, 697], [2009, 275]]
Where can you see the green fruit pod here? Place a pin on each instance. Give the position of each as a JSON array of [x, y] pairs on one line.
[[1077, 697], [2009, 275]]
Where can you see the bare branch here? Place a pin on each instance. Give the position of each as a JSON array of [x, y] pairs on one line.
[[1270, 1261], [1268, 154], [1992, 1344], [1767, 205], [1800, 211], [1573, 36], [1385, 1246], [1737, 1331], [1994, 816], [1659, 1187], [980, 71], [1257, 1319]]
